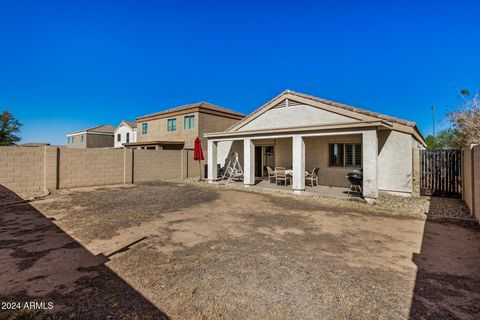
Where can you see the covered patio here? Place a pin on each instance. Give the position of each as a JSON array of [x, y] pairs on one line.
[[299, 132], [333, 150]]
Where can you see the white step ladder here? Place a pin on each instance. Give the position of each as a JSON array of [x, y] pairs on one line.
[[233, 170]]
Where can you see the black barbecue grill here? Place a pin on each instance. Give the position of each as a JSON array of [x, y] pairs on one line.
[[355, 178]]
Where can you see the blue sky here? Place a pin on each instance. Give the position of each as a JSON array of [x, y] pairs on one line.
[[67, 65]]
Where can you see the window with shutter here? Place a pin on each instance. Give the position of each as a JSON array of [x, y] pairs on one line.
[[353, 154]]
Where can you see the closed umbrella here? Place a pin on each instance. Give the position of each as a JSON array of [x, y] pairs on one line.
[[198, 154]]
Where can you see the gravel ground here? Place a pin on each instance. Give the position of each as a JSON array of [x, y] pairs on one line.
[[385, 204], [432, 206], [196, 252]]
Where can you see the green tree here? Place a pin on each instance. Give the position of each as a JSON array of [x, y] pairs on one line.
[[445, 139], [9, 127], [432, 143]]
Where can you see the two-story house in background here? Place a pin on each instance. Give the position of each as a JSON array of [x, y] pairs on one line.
[[96, 137], [178, 128], [126, 132]]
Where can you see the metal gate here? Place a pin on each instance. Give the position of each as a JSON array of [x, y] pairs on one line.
[[441, 173]]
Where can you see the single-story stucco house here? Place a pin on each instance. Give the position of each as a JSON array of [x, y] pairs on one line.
[[302, 132]]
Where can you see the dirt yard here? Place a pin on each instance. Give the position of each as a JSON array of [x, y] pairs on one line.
[[180, 251]]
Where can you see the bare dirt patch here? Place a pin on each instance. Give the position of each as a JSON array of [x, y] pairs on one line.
[[229, 254], [100, 212]]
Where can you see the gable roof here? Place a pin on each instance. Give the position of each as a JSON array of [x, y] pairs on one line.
[[103, 128], [332, 106], [193, 107], [131, 124], [128, 123]]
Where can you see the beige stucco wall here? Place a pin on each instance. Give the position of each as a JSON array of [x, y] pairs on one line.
[[204, 123], [91, 140], [99, 140], [77, 141], [157, 130], [416, 170], [294, 116], [209, 123], [225, 150], [395, 154], [316, 156]]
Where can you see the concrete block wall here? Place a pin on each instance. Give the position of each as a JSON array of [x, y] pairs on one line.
[[467, 176], [51, 173], [153, 165], [471, 179], [22, 168], [476, 182], [192, 167], [36, 169], [90, 167]]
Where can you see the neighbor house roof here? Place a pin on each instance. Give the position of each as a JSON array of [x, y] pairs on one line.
[[332, 106], [199, 106], [103, 128], [131, 124]]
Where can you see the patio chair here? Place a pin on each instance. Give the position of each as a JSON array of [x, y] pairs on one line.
[[312, 177], [280, 175], [271, 174]]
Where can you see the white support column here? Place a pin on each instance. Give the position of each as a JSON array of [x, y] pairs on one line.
[[298, 163], [370, 168], [248, 162], [212, 161]]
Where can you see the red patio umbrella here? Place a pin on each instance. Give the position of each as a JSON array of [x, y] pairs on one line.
[[198, 154]]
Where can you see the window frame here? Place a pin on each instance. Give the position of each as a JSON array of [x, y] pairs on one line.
[[127, 137], [190, 119], [172, 124], [145, 128], [344, 163], [119, 137], [354, 163], [342, 150]]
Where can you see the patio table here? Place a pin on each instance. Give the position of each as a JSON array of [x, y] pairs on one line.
[[289, 172]]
